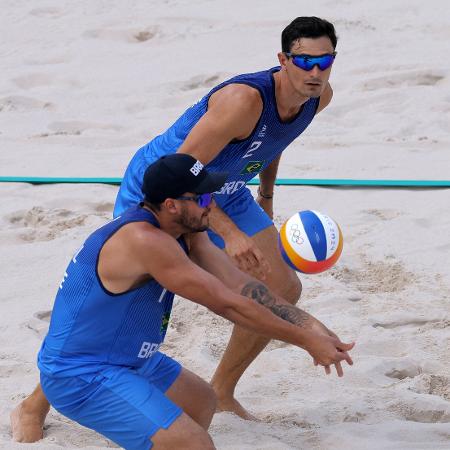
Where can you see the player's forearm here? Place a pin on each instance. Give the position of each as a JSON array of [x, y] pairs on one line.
[[274, 324], [257, 291], [220, 223], [268, 176]]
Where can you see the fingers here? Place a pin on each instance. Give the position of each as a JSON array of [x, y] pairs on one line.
[[253, 262], [327, 370], [344, 347], [339, 370], [347, 358], [260, 259]]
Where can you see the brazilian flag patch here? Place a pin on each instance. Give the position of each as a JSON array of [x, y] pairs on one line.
[[252, 167], [164, 323]]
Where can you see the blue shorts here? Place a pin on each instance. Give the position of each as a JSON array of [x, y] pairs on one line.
[[125, 405]]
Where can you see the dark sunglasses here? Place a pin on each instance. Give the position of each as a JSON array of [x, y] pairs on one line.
[[203, 200], [307, 62]]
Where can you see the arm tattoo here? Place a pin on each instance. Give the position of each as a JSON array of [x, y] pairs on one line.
[[258, 292]]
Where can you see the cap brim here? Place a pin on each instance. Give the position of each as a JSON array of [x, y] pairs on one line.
[[211, 183]]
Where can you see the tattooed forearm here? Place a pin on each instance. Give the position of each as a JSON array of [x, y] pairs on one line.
[[257, 291]]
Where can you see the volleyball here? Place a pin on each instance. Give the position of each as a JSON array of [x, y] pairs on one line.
[[310, 242]]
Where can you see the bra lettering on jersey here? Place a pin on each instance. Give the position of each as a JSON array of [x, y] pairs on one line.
[[148, 349], [231, 187]]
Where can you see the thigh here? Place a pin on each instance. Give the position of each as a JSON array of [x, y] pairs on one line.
[[281, 279], [193, 394], [184, 434], [118, 403]]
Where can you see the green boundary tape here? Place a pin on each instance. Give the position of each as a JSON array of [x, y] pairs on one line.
[[279, 182]]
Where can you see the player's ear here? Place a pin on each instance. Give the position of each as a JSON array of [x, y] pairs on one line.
[[282, 58], [170, 205]]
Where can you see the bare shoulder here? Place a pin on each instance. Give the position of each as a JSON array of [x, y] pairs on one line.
[[143, 236], [238, 97], [325, 98]]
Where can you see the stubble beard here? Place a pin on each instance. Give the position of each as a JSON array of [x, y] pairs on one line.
[[193, 224]]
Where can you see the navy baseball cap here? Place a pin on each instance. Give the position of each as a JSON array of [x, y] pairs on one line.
[[173, 175]]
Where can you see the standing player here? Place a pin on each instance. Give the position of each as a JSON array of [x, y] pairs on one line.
[[242, 126]]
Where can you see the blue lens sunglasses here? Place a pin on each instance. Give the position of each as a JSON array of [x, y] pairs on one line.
[[307, 62], [203, 200]]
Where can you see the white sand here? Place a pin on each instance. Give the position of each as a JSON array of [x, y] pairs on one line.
[[84, 84]]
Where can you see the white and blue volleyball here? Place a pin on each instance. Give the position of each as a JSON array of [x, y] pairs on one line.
[[310, 242]]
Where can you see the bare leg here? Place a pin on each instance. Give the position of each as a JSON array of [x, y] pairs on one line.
[[27, 419], [184, 434], [245, 346], [195, 396], [189, 431]]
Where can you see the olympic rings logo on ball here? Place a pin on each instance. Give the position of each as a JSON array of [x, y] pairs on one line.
[[296, 236]]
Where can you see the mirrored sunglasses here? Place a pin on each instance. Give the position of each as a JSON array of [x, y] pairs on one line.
[[203, 200], [307, 62]]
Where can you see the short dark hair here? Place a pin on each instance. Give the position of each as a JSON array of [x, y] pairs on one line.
[[307, 27]]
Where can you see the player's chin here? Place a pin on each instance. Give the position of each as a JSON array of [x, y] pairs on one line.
[[313, 90]]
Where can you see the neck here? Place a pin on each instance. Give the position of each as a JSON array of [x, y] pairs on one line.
[[289, 101]]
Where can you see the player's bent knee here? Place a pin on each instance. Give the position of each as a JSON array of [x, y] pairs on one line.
[[183, 433]]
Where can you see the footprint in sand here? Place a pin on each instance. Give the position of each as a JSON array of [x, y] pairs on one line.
[[33, 80], [403, 369], [39, 323], [75, 128], [63, 432], [201, 81], [127, 35], [375, 277], [40, 224], [104, 207], [47, 12], [412, 78], [13, 370], [404, 323], [383, 214], [422, 410], [354, 25], [433, 385], [22, 104]]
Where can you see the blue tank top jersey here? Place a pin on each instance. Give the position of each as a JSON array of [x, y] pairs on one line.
[[243, 159], [90, 326]]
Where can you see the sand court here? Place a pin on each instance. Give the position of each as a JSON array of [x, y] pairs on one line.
[[86, 84]]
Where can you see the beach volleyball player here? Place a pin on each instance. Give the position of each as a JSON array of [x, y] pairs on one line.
[[241, 126], [100, 362]]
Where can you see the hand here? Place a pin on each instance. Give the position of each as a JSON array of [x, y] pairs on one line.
[[326, 349], [266, 204], [246, 255]]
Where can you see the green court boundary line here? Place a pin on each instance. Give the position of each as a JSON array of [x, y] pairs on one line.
[[278, 182]]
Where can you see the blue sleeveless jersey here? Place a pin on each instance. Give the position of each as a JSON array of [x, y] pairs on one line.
[[91, 327], [243, 159]]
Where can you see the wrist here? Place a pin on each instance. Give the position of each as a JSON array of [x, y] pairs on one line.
[[265, 195]]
